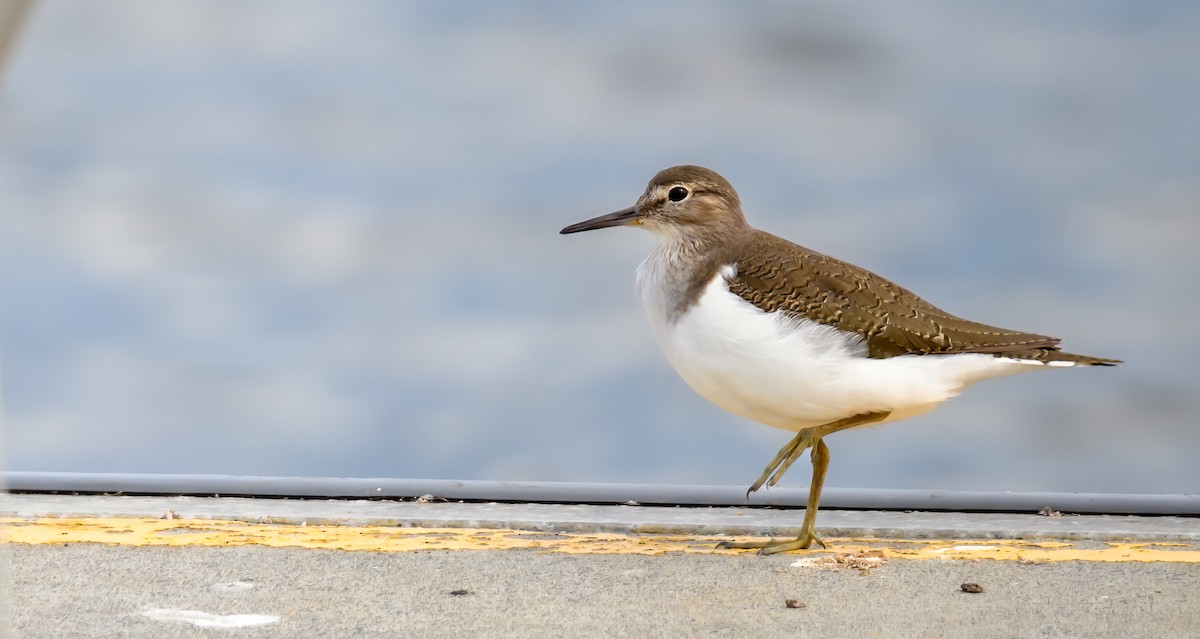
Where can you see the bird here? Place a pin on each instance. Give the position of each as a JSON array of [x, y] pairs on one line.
[[798, 340]]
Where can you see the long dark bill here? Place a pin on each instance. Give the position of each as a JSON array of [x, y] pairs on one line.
[[617, 218]]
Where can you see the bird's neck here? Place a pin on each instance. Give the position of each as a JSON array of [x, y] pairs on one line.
[[675, 273]]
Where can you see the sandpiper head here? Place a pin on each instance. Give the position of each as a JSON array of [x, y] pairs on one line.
[[679, 200]]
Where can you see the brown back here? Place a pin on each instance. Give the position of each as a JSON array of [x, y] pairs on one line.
[[775, 274]]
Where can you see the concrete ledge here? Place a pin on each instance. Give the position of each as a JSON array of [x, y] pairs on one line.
[[620, 519], [599, 493]]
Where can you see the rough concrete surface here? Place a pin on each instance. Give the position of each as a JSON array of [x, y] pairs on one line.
[[99, 590], [88, 590]]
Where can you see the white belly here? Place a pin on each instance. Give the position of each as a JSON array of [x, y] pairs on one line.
[[793, 374]]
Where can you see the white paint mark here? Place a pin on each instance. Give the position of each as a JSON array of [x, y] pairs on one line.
[[232, 586], [209, 620]]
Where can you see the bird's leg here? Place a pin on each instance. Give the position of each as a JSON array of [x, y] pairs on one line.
[[808, 530], [801, 442], [820, 461], [813, 437]]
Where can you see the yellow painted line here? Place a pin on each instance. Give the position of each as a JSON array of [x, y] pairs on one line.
[[203, 532]]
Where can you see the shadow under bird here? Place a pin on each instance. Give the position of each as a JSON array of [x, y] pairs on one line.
[[791, 338]]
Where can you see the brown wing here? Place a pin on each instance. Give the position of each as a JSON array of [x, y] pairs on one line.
[[891, 319]]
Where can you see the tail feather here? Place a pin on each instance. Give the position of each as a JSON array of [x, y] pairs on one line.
[[1055, 357]]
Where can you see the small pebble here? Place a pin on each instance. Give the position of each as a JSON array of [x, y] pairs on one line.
[[971, 587]]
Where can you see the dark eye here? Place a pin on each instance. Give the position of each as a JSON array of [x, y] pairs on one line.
[[677, 194]]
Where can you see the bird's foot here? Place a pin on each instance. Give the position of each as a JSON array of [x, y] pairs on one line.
[[772, 546], [784, 460]]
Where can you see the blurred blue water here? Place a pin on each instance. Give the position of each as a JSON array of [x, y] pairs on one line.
[[318, 239]]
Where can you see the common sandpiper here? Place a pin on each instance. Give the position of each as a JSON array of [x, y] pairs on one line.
[[795, 339]]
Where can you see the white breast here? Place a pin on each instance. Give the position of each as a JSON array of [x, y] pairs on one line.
[[793, 373]]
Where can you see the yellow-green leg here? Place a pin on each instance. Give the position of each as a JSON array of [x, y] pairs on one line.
[[809, 437], [820, 462], [783, 460]]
